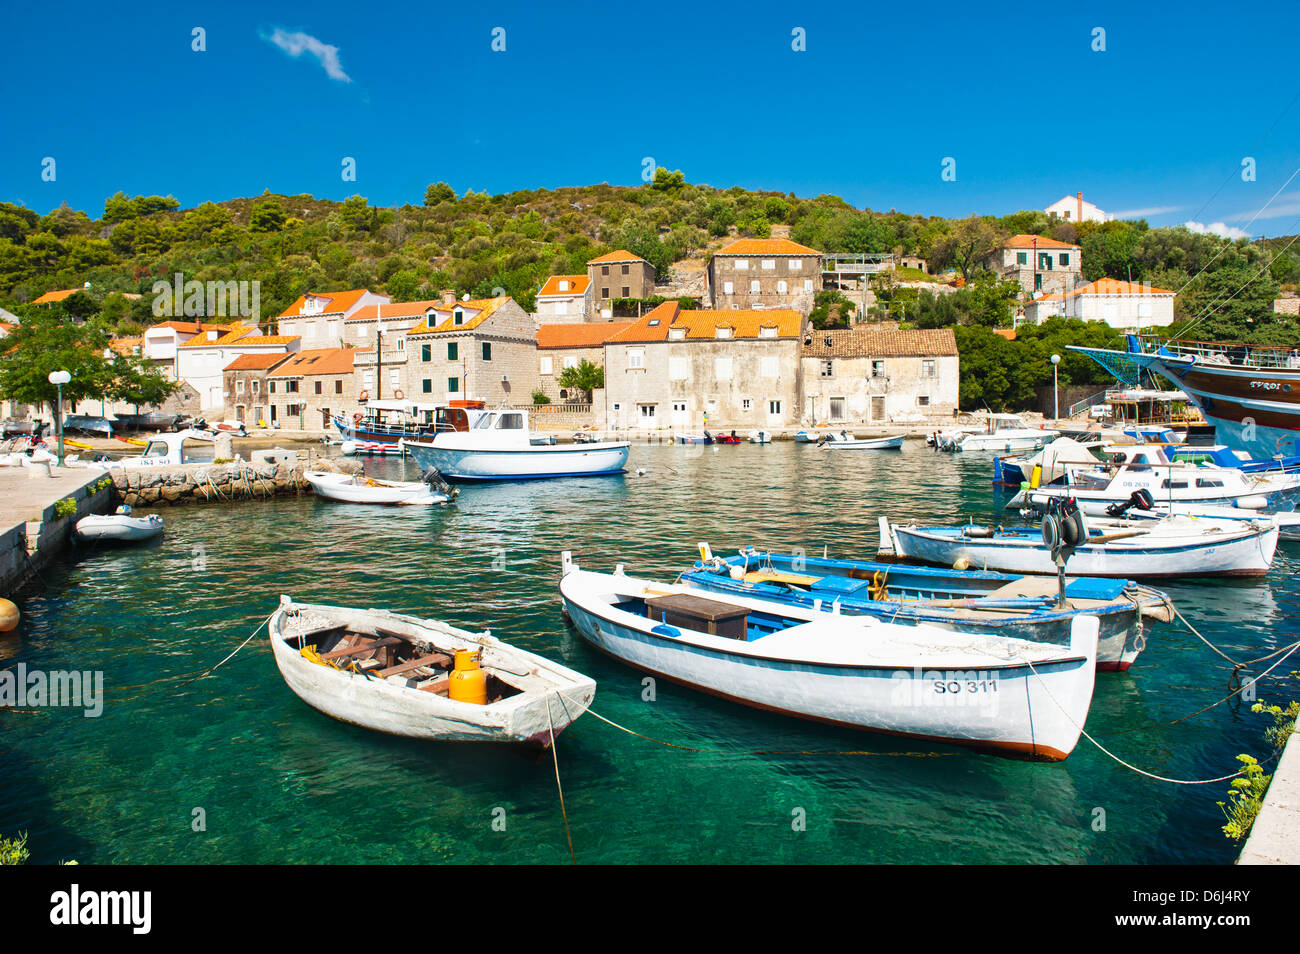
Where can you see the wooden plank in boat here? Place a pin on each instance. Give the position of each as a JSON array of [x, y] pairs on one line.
[[439, 686], [695, 612], [441, 660], [775, 576], [363, 647]]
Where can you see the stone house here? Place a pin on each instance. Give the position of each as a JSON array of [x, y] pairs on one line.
[[561, 346], [565, 298], [764, 274], [1072, 208], [1042, 265], [619, 274], [201, 361], [687, 370], [311, 386], [878, 374], [483, 350], [318, 317], [246, 387], [1118, 303]]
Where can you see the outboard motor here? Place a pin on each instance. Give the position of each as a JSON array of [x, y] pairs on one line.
[[433, 477], [1140, 498]]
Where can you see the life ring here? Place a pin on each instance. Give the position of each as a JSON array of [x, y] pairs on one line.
[[365, 396], [398, 395], [356, 418]]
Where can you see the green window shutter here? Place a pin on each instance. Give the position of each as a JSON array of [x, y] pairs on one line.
[[451, 351], [427, 386], [453, 384], [487, 351]]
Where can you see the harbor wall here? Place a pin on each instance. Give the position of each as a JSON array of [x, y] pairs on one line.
[[36, 534], [1275, 835], [213, 483]]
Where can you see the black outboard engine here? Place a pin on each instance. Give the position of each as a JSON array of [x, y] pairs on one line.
[[1140, 498], [433, 477]]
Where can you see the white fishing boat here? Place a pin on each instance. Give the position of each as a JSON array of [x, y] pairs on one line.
[[1005, 432], [422, 678], [500, 447], [760, 437], [360, 489], [1288, 522], [866, 443], [1172, 547], [1004, 695], [169, 449], [119, 527]]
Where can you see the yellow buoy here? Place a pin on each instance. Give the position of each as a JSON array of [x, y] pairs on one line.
[[468, 682], [961, 563], [9, 616]]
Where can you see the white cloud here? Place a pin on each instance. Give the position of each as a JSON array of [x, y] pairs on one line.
[[1217, 228], [1147, 212], [295, 44]]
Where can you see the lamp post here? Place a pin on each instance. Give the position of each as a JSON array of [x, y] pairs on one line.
[[59, 379], [1056, 398]]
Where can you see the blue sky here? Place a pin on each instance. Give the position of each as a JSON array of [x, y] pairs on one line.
[[1159, 122]]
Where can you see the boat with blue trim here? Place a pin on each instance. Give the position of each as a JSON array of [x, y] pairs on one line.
[[381, 425]]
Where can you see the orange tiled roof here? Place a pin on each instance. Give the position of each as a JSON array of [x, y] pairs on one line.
[[766, 247], [316, 361], [338, 301], [126, 345], [622, 255], [704, 323], [235, 333], [52, 296], [189, 327], [584, 335], [1008, 333], [396, 309], [1035, 241], [257, 361], [577, 285], [485, 307], [880, 343]]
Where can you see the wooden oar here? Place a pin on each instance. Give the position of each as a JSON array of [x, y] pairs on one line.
[[1107, 537]]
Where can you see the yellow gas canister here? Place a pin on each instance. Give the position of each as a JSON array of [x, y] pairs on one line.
[[1036, 477], [468, 683]]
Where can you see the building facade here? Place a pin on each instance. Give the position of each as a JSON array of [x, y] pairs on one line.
[[1072, 208], [201, 362], [1120, 304], [619, 274], [247, 387], [689, 370], [481, 350], [318, 317], [878, 375], [1042, 266], [764, 274], [566, 298], [561, 346], [307, 389]]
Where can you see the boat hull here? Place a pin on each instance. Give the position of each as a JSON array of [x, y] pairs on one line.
[[344, 489], [871, 443], [535, 462], [118, 529]]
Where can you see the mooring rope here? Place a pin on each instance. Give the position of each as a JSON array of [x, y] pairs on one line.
[[1236, 666], [556, 758]]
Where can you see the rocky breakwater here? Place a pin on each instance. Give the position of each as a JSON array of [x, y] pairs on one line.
[[213, 482]]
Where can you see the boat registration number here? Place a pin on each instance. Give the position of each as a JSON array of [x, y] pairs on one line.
[[952, 687]]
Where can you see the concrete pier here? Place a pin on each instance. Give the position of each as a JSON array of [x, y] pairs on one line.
[[31, 533], [1275, 836]]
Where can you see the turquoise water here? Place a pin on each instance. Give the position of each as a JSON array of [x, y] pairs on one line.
[[279, 783]]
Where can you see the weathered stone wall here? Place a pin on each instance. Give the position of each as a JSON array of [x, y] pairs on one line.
[[210, 483]]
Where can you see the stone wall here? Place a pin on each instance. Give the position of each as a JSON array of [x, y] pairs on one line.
[[212, 483]]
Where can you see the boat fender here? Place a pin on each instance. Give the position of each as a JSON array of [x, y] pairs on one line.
[[979, 532]]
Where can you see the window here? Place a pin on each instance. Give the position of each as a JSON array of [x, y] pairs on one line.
[[753, 287], [1144, 309], [1065, 259], [1176, 485], [774, 407], [828, 369], [1045, 261], [679, 369], [627, 292], [604, 269], [728, 288], [453, 351], [746, 404], [626, 269], [453, 385], [767, 331], [363, 331], [1038, 282], [458, 317], [570, 360], [927, 368], [510, 422], [487, 351], [546, 365], [1208, 482], [430, 321], [781, 287], [923, 400], [877, 369], [426, 386], [769, 264], [604, 293], [742, 264], [394, 378], [256, 385], [795, 264], [564, 284], [676, 334], [338, 386], [320, 387], [367, 380], [401, 344], [722, 331], [807, 284], [1022, 258], [837, 409], [426, 352], [636, 357], [770, 368], [293, 387], [239, 385], [647, 411], [722, 369]]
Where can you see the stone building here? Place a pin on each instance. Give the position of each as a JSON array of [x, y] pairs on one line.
[[246, 387], [566, 345], [619, 274], [312, 385], [1118, 303], [318, 317], [763, 274], [1042, 266], [201, 361], [483, 350], [566, 298], [878, 374], [687, 370]]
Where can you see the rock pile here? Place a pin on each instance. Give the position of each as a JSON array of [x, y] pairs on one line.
[[238, 480]]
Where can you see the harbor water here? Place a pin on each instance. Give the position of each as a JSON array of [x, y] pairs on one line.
[[232, 767]]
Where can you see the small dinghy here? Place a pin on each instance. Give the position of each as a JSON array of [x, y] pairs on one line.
[[845, 442], [422, 678], [1008, 696], [760, 437], [358, 488], [119, 527]]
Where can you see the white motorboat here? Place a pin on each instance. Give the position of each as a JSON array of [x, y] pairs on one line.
[[867, 443], [358, 488], [1005, 432], [169, 450], [1004, 695], [1131, 549], [422, 678], [760, 437], [119, 527], [1288, 521], [500, 447]]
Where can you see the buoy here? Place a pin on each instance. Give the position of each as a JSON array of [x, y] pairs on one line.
[[962, 564], [9, 616], [1036, 477], [468, 683]]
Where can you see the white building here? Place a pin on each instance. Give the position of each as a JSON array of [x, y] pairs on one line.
[[317, 317], [1118, 303], [564, 298], [1072, 208], [201, 362]]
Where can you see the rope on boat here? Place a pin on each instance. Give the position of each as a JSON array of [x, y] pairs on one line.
[[1236, 666], [556, 759], [1134, 768]]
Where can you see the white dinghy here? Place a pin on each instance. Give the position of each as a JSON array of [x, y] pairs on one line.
[[1008, 696], [119, 527], [867, 443], [358, 488], [422, 678]]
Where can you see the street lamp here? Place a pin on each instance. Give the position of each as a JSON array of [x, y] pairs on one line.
[[1056, 399], [59, 379]]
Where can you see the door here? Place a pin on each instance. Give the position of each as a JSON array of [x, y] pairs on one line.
[[837, 409], [878, 407], [680, 419]]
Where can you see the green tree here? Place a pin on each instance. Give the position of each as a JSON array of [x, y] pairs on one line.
[[584, 376], [1232, 303], [831, 309], [439, 193], [966, 245], [267, 217], [665, 181], [46, 342]]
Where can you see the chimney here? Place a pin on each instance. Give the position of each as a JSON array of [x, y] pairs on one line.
[[449, 296], [1078, 216]]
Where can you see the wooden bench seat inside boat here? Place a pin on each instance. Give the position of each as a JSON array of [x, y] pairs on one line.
[[778, 576], [437, 660], [699, 614], [366, 645]]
